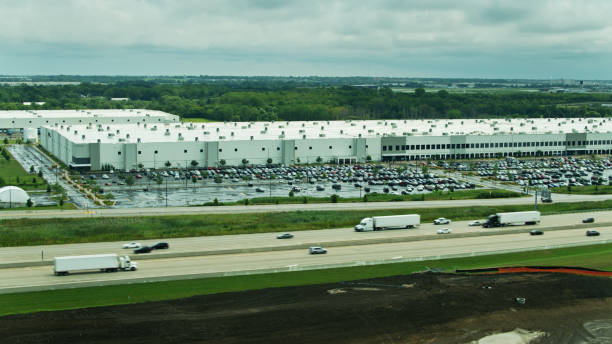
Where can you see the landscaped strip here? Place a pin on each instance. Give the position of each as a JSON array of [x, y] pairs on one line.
[[595, 257], [29, 232]]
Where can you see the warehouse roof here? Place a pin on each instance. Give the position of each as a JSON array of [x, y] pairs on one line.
[[25, 114], [229, 131]]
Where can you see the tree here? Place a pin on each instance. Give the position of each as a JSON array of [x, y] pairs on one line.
[[129, 180], [419, 92], [29, 203], [319, 159], [245, 162], [159, 180], [40, 173], [6, 140], [291, 194], [194, 180], [269, 161], [222, 162], [140, 165], [368, 158], [168, 164], [32, 169], [194, 163], [334, 198]]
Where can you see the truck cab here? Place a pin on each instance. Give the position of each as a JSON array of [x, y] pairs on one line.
[[366, 224], [492, 221], [126, 264]]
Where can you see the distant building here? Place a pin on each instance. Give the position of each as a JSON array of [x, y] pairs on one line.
[[12, 196]]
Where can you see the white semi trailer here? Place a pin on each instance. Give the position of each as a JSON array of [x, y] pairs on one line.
[[514, 218], [378, 223], [103, 262]]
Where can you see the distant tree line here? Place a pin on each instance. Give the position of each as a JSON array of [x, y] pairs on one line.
[[256, 101]]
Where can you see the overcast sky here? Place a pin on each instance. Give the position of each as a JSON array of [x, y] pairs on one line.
[[402, 38]]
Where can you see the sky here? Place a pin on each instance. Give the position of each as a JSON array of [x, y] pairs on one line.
[[534, 39]]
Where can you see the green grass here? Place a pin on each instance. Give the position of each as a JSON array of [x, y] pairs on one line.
[[194, 119], [24, 232], [585, 190], [66, 206], [596, 256], [13, 174], [433, 196]]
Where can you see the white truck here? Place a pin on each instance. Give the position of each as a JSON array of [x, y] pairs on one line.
[[378, 223], [514, 218], [103, 262]]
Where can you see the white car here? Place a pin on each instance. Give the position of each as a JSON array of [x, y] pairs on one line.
[[444, 231], [105, 176], [476, 223], [132, 245], [441, 221]]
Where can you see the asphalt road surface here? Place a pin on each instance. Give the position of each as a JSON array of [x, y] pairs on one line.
[[79, 213], [39, 278], [267, 241]]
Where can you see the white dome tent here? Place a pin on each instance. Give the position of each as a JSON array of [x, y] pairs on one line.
[[12, 196]]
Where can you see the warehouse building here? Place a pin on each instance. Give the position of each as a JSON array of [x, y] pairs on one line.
[[30, 121], [153, 145]]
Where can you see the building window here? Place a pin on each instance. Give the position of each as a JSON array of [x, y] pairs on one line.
[[384, 148], [139, 152], [295, 147], [118, 153], [330, 147], [277, 148], [235, 149], [220, 149], [367, 146], [310, 147], [185, 151], [155, 152], [411, 147], [397, 147], [350, 147], [263, 148], [201, 151]]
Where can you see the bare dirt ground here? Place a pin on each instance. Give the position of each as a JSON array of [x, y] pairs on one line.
[[418, 308]]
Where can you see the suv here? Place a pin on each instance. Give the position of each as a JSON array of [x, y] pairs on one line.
[[441, 221], [592, 233], [144, 249], [317, 250], [159, 246], [536, 232], [588, 220]]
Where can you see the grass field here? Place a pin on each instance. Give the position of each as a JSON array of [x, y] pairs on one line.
[[585, 190], [432, 196], [13, 174], [24, 232], [66, 206], [596, 256]]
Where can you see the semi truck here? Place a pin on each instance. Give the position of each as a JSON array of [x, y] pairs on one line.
[[378, 223], [514, 218], [102, 262]]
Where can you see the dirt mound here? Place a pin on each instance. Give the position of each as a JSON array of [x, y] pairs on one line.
[[418, 308]]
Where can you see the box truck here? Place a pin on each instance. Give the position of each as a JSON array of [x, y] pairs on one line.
[[515, 218], [103, 262], [378, 223]]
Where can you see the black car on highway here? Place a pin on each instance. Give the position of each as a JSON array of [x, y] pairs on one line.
[[588, 220], [160, 246], [144, 249], [536, 232], [592, 233]]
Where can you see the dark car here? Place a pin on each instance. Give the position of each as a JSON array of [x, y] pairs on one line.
[[160, 246], [536, 232], [592, 233], [284, 236], [144, 249], [588, 220]]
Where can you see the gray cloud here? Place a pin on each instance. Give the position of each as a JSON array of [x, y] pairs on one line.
[[397, 33]]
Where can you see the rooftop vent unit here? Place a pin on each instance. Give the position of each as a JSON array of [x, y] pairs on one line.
[[127, 136], [167, 133], [138, 140], [321, 135], [121, 139], [251, 137], [98, 140], [111, 135], [207, 133], [196, 139], [83, 137], [221, 137]]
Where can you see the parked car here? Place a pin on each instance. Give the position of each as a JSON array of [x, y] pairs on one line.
[[144, 249], [317, 250], [284, 236], [160, 246], [476, 223], [588, 220], [444, 231], [536, 232], [132, 245], [592, 233], [441, 221]]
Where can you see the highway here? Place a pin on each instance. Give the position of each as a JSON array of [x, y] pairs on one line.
[[41, 278], [99, 212], [32, 255]]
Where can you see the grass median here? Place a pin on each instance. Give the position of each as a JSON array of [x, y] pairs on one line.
[[595, 256], [26, 232], [584, 190]]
